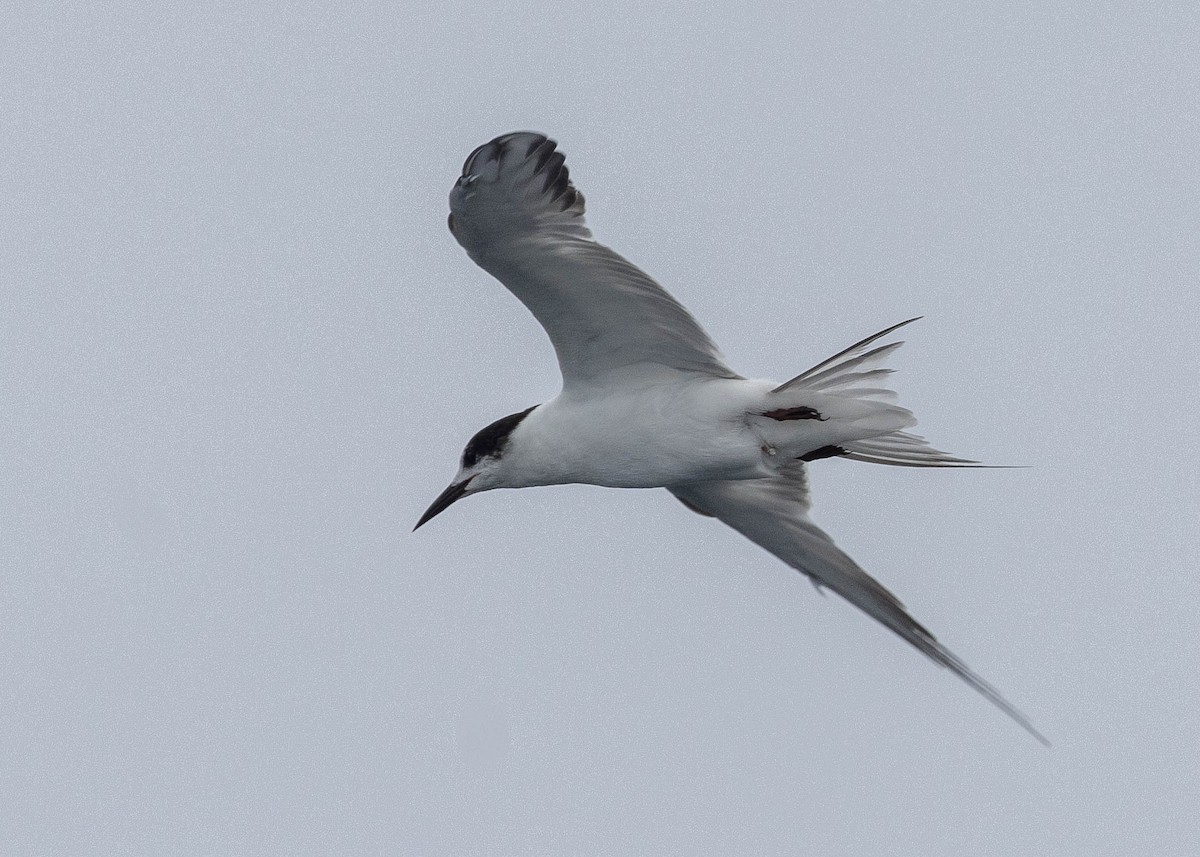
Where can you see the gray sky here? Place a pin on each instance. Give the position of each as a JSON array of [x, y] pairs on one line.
[[240, 353]]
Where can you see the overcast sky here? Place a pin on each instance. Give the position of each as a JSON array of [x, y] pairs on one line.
[[240, 353]]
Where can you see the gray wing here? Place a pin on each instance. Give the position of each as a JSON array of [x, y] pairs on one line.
[[773, 513], [519, 218]]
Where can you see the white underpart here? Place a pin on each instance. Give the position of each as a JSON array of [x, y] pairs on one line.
[[648, 400]]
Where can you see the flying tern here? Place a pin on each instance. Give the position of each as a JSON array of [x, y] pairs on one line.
[[648, 400]]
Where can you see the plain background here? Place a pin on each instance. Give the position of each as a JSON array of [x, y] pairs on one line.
[[240, 353]]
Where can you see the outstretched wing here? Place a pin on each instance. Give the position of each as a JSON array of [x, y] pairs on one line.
[[773, 513], [519, 217]]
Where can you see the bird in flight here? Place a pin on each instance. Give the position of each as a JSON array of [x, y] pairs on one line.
[[648, 400]]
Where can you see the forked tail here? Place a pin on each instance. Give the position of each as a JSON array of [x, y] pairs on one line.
[[857, 373]]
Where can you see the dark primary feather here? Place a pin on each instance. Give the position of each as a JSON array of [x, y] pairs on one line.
[[519, 217], [773, 513]]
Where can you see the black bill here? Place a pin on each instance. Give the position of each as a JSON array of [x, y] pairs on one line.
[[444, 501]]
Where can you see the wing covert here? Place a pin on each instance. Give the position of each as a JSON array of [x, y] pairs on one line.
[[519, 217]]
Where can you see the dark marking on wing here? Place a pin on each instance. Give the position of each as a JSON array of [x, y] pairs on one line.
[[494, 149], [694, 507], [823, 452], [491, 440], [544, 151], [548, 163], [554, 170], [801, 413]]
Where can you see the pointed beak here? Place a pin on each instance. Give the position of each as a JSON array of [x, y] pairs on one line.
[[444, 501]]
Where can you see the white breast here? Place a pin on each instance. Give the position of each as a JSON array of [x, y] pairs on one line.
[[649, 437]]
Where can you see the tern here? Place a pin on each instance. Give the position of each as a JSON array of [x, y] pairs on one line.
[[648, 400]]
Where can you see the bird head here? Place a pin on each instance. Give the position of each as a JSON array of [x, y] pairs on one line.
[[482, 466]]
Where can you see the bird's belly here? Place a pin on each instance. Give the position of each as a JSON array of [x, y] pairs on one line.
[[651, 442], [647, 464]]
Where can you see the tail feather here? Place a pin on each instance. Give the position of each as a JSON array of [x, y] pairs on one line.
[[855, 374], [844, 361], [848, 384], [836, 376], [902, 449]]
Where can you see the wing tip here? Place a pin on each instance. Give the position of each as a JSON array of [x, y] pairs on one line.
[[523, 175], [955, 664], [493, 150]]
